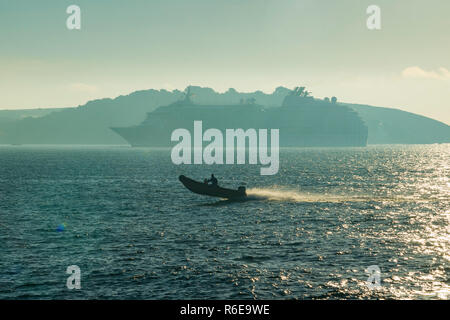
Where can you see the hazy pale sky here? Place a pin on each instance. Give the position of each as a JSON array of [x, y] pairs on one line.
[[249, 45]]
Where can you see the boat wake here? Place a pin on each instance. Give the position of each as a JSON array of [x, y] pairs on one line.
[[283, 194], [278, 194]]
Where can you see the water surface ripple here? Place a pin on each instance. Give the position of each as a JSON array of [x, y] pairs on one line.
[[308, 232]]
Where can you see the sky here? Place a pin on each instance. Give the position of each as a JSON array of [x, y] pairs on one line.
[[249, 45]]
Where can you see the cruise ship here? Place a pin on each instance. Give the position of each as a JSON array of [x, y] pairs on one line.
[[302, 120]]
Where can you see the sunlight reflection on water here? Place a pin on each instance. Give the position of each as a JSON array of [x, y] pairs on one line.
[[309, 232]]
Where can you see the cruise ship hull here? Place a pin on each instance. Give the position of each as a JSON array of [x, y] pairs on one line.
[[310, 124]]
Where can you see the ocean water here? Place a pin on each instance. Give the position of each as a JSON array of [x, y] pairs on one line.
[[309, 232]]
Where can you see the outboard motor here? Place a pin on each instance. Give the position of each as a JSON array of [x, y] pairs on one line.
[[241, 189]]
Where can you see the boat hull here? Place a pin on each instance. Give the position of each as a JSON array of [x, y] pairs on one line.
[[210, 190], [308, 124]]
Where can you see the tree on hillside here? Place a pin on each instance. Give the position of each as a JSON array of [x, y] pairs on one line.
[[188, 94]]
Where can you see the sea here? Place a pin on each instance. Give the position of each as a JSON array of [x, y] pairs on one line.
[[334, 223]]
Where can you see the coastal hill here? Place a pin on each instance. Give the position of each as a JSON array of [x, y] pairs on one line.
[[13, 115], [393, 126], [91, 123]]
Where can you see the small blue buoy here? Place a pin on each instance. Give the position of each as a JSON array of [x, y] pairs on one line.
[[61, 227]]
